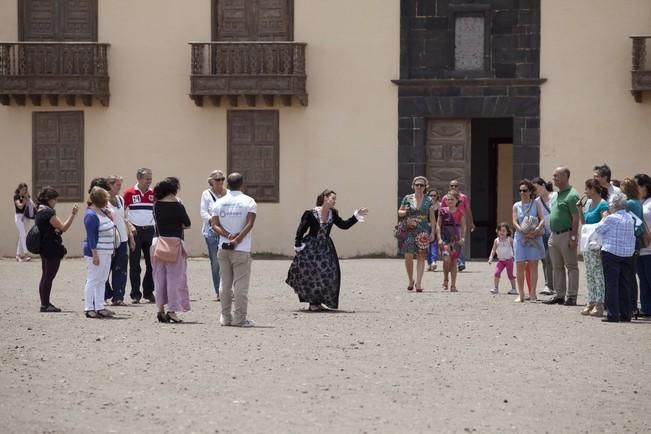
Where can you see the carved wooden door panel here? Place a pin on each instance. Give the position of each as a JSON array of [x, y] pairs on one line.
[[58, 152], [58, 20], [448, 153], [253, 150], [252, 20]]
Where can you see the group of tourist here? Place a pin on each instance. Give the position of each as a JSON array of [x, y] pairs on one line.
[[145, 222], [615, 241], [150, 222]]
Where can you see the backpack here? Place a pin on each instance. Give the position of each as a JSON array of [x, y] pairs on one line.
[[33, 240]]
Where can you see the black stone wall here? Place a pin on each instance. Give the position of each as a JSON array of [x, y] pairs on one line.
[[430, 88]]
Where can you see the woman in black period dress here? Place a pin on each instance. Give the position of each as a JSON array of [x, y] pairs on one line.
[[314, 274]]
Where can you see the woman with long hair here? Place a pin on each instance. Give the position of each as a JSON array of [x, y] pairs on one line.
[[52, 248], [25, 209], [314, 273]]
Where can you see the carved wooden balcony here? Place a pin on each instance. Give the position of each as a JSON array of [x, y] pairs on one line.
[[248, 69], [53, 69], [641, 70]]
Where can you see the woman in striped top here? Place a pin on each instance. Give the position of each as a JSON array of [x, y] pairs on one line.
[[98, 248]]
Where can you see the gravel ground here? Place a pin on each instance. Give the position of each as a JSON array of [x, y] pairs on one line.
[[388, 361]]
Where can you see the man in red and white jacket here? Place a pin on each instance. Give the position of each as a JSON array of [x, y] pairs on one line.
[[139, 203]]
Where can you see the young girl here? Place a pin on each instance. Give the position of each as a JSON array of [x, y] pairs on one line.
[[451, 225], [433, 253], [503, 248]]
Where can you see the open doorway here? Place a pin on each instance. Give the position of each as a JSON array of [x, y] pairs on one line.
[[491, 190]]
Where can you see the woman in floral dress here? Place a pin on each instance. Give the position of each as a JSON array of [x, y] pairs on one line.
[[450, 226], [416, 212]]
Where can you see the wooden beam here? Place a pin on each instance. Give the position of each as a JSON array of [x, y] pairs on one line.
[[287, 100], [36, 99], [268, 100], [20, 99], [70, 100], [5, 99], [250, 100], [53, 99], [216, 100], [198, 100], [232, 99], [87, 100]]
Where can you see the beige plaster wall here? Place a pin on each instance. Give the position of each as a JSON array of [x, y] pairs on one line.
[[346, 139], [588, 115]]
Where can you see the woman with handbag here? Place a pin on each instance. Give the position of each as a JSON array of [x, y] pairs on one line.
[[52, 249], [24, 210], [314, 273], [98, 248], [415, 214], [528, 222], [169, 259], [593, 204]]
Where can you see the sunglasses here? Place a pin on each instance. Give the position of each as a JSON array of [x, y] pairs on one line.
[[419, 185], [218, 179], [454, 185], [524, 191]]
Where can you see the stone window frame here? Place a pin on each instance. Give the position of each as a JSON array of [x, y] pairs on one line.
[[78, 116], [480, 10]]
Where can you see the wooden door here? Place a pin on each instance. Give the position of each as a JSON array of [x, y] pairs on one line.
[[448, 154], [252, 20]]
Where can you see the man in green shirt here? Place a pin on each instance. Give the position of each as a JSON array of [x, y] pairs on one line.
[[564, 224]]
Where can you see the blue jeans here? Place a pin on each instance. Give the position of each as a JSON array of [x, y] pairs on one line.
[[432, 253], [644, 273], [212, 241], [118, 281]]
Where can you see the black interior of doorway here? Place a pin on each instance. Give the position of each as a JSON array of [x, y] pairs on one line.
[[486, 134]]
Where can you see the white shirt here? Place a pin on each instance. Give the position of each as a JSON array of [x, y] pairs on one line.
[[646, 210], [552, 198], [232, 210], [208, 199], [118, 214], [612, 190]]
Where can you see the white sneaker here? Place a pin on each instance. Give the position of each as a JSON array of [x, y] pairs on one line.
[[513, 291], [223, 322], [494, 291], [246, 323]]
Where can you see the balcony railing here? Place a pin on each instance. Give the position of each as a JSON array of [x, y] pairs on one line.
[[248, 69], [53, 70], [641, 69]]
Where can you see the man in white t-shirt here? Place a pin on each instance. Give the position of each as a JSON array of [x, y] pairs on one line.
[[233, 216]]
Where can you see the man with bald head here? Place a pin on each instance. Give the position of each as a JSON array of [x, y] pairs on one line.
[[564, 224]]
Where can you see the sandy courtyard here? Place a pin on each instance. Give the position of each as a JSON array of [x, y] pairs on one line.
[[389, 361]]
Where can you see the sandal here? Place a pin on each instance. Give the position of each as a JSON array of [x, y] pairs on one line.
[[419, 289], [316, 308], [445, 285], [173, 317], [453, 289], [410, 287]]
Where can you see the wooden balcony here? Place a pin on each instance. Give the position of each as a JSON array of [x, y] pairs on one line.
[[641, 69], [69, 70], [248, 69]]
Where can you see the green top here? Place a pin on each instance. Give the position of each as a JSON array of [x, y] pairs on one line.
[[563, 208]]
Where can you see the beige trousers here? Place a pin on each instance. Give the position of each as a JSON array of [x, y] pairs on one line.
[[235, 271], [564, 257]]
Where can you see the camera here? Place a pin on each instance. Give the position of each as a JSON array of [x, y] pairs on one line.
[[228, 246]]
